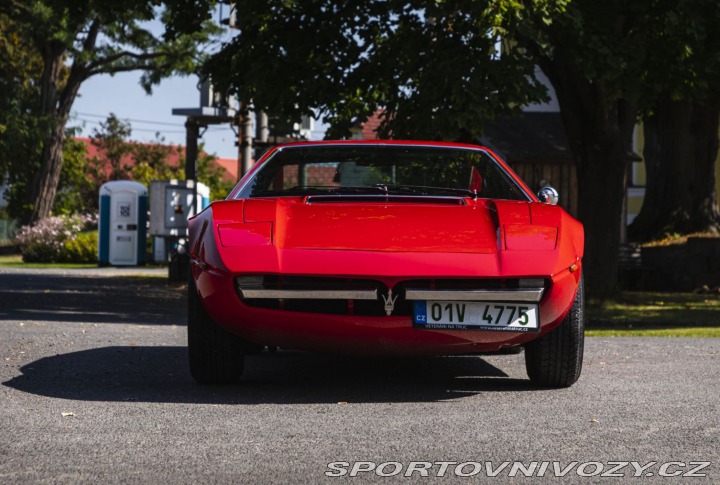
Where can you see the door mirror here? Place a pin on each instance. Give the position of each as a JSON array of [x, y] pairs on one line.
[[548, 195]]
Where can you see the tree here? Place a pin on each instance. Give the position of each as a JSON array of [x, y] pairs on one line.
[[20, 126], [111, 139], [681, 148], [119, 158], [681, 128], [212, 175], [78, 189], [79, 39], [595, 55], [152, 161], [432, 66]]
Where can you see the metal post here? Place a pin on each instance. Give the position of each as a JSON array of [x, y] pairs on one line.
[[263, 127], [191, 155], [191, 148], [246, 142]]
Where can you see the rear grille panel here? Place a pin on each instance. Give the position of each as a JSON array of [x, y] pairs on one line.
[[375, 307]]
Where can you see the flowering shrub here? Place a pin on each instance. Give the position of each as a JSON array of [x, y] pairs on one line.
[[82, 249], [48, 240]]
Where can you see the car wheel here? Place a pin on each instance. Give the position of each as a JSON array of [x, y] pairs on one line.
[[216, 356], [555, 360]]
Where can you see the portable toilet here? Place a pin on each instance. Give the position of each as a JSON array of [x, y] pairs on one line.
[[122, 224]]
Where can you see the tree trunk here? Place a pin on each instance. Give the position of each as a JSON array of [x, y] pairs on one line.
[[599, 128], [705, 123], [681, 148], [660, 184], [55, 105], [601, 170], [40, 192], [45, 182], [601, 191]]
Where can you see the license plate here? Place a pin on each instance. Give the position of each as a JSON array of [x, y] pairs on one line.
[[475, 315]]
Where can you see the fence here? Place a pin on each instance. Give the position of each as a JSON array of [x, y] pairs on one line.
[[561, 175], [8, 229]]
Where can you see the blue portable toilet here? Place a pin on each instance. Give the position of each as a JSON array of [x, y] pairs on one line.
[[122, 224]]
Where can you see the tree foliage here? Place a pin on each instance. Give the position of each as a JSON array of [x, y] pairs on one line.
[[681, 122], [595, 55], [111, 140], [20, 124], [120, 158], [432, 66], [77, 190], [75, 40]]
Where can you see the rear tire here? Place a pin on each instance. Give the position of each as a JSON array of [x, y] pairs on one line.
[[216, 356], [555, 360]]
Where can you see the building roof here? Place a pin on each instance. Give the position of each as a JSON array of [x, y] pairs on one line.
[[230, 165], [367, 130], [535, 136]]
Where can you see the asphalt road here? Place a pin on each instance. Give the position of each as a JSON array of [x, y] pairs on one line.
[[95, 388]]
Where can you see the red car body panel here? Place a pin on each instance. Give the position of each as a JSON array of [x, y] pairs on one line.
[[387, 242]]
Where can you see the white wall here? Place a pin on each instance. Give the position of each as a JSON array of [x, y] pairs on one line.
[[552, 105]]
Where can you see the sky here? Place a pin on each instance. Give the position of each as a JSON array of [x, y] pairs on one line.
[[122, 95], [148, 114]]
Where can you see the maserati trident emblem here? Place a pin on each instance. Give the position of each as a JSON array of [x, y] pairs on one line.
[[389, 302]]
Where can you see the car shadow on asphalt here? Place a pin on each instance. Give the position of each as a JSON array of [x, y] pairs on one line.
[[159, 374], [96, 299]]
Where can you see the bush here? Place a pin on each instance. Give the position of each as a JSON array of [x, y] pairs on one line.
[[82, 249], [48, 240]]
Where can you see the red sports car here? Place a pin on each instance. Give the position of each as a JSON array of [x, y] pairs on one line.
[[385, 247]]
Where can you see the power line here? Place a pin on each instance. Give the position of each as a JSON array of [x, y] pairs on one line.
[[131, 119], [138, 130], [151, 130], [215, 129]]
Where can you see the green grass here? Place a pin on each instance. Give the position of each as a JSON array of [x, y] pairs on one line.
[[652, 314], [632, 314], [15, 261]]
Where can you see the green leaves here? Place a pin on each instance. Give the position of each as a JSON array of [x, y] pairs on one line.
[[48, 48], [432, 66]]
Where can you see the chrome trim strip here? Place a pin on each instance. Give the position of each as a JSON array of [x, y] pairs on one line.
[[529, 294], [309, 294]]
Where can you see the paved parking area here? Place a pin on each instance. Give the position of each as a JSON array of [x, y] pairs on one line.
[[94, 387]]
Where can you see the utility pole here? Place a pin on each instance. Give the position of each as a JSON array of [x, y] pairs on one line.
[[192, 133], [246, 140], [212, 111], [263, 128]]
